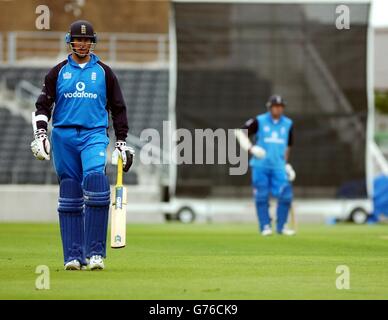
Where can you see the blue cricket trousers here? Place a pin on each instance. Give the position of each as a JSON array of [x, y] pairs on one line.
[[267, 182], [78, 152]]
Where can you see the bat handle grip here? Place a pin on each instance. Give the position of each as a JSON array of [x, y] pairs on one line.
[[119, 181]]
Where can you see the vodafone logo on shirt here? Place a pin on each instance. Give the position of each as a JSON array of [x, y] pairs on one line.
[[80, 92]]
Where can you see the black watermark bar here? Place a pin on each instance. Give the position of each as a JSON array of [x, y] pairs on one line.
[[210, 309]]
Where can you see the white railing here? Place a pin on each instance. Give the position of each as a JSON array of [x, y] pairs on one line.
[[113, 47]]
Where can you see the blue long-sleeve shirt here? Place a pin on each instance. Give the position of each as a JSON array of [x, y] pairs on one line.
[[273, 136], [82, 97]]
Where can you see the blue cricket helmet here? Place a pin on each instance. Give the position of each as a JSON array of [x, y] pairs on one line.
[[81, 29], [275, 100]]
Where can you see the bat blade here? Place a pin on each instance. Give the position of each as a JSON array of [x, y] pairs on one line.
[[118, 218]]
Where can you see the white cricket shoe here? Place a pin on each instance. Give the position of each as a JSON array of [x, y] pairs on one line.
[[96, 263], [288, 232], [73, 265], [267, 231]]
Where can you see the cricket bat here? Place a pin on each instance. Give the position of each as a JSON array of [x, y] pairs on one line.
[[119, 210]]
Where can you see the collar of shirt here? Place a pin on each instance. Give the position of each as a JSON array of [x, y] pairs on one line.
[[274, 121], [93, 60]]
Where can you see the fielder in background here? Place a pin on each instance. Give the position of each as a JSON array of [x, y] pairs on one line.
[[83, 90], [271, 174]]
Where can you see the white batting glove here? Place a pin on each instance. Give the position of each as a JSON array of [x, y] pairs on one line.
[[258, 152], [127, 153], [291, 174], [40, 147]]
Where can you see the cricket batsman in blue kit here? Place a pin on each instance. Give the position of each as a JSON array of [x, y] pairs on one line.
[[271, 174], [79, 93]]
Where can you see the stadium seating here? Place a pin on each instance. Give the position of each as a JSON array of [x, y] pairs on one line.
[[146, 95]]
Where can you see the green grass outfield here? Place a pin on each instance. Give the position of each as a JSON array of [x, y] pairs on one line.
[[220, 261]]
